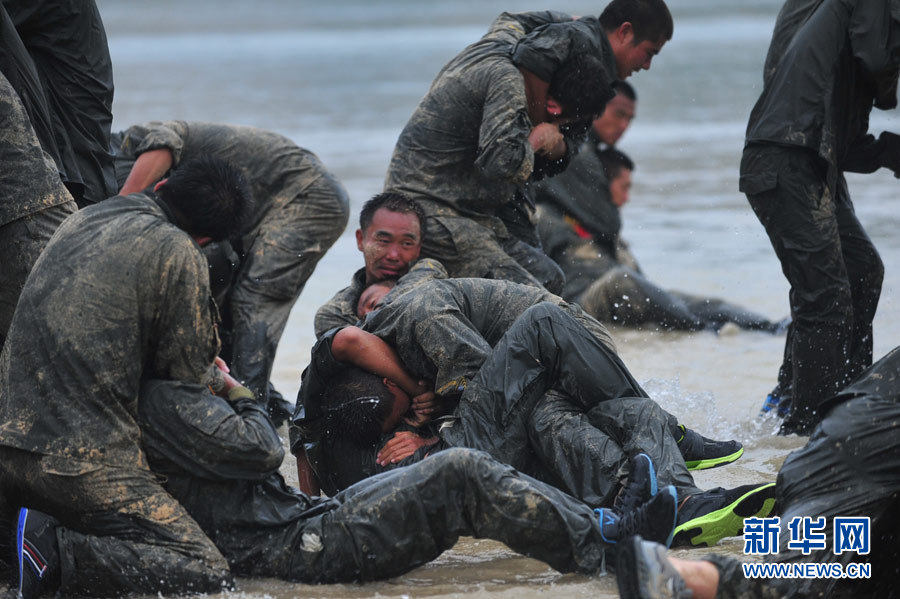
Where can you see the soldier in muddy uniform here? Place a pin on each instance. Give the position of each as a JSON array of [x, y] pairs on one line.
[[300, 210], [828, 65], [510, 108], [391, 227], [602, 276], [848, 469], [34, 200], [119, 295], [496, 348], [64, 76], [209, 447]]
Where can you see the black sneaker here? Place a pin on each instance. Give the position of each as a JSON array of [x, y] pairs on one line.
[[654, 519], [641, 485], [643, 571], [701, 453], [35, 566], [707, 517]]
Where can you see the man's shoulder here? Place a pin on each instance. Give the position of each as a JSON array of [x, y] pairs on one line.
[[341, 308]]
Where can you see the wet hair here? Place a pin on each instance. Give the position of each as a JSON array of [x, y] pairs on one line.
[[582, 86], [395, 202], [650, 19], [210, 195], [626, 89], [614, 162], [356, 406]]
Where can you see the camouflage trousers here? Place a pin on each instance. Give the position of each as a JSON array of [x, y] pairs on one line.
[[21, 242], [587, 453], [833, 268], [391, 523], [626, 297], [120, 531], [470, 249], [505, 408], [281, 255]]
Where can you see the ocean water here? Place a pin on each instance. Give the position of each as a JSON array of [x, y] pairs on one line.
[[342, 77]]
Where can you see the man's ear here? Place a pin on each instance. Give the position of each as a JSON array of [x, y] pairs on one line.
[[160, 184], [624, 33], [389, 383], [554, 108], [359, 238]]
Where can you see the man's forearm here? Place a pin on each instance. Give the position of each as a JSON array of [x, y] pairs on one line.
[[148, 169]]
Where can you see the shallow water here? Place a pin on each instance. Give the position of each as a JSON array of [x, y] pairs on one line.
[[341, 78]]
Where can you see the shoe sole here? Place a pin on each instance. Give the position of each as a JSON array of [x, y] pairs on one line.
[[715, 462], [628, 570], [709, 529]]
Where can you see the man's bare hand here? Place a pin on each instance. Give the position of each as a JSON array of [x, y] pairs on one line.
[[546, 139], [221, 365], [402, 445]]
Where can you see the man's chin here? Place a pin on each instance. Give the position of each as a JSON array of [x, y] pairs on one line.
[[388, 275]]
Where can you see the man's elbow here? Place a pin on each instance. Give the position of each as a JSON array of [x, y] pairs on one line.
[[273, 459]]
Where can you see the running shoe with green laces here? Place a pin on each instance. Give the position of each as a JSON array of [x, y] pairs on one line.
[[701, 453], [705, 518], [643, 571]]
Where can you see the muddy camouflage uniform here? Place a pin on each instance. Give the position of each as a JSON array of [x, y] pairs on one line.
[[580, 229], [849, 468], [828, 64], [340, 310], [33, 200], [487, 357], [64, 76], [300, 209], [220, 462], [464, 152], [118, 295]]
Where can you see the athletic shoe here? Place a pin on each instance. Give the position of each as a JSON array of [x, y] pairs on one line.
[[641, 485], [654, 519], [777, 404], [701, 453], [707, 517], [643, 571], [35, 554]]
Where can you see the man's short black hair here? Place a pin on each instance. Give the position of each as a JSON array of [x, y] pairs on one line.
[[614, 162], [582, 86], [356, 405], [626, 89], [395, 202], [210, 196], [650, 19]]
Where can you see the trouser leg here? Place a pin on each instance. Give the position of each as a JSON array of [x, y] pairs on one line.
[[799, 215], [546, 347], [396, 521], [584, 461], [716, 312], [540, 265], [469, 249], [625, 297], [734, 585], [120, 531], [865, 273], [21, 242], [67, 41], [640, 425], [284, 251]]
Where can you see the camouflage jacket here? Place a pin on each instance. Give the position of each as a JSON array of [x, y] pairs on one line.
[[466, 145], [120, 294]]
